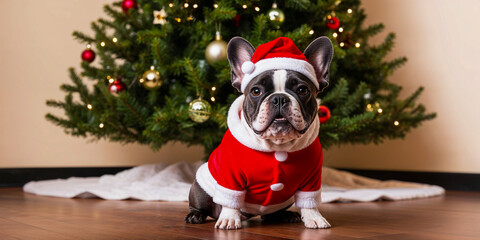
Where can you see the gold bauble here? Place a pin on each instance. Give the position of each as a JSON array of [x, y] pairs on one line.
[[151, 79], [216, 50], [275, 15], [199, 110]]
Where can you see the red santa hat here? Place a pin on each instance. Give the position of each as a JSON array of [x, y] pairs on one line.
[[280, 53]]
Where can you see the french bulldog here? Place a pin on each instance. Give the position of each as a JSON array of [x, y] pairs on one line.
[[270, 157]]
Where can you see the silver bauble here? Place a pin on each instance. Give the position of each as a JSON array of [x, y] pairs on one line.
[[275, 15], [216, 50]]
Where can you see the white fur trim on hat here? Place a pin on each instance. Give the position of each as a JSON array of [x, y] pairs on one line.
[[261, 66]]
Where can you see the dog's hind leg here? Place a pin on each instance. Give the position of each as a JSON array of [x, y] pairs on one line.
[[201, 205]]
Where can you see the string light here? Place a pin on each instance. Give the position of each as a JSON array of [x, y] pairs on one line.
[[170, 4], [311, 32], [349, 11], [340, 29], [110, 79], [214, 88], [257, 9], [380, 110], [342, 44], [396, 123], [102, 44], [335, 35], [114, 40], [88, 46], [244, 6], [213, 99], [101, 125], [178, 19], [195, 5], [189, 18], [369, 107], [89, 106], [215, 5], [185, 5], [357, 45]]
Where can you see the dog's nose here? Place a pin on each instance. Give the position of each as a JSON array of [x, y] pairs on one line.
[[279, 100]]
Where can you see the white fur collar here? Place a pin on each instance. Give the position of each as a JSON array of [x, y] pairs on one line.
[[244, 134]]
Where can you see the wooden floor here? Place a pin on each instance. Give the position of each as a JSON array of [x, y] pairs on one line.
[[25, 216]]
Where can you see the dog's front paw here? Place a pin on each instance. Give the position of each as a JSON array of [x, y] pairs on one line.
[[229, 219], [313, 219]]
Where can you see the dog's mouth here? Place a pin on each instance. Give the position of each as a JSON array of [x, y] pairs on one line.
[[279, 122], [280, 119]]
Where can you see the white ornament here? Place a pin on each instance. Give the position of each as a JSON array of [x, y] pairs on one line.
[[248, 67], [159, 17]]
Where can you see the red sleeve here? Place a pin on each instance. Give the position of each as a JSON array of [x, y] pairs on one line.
[[308, 194], [226, 170], [229, 173], [313, 181]]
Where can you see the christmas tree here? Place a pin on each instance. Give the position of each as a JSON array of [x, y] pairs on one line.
[[155, 71]]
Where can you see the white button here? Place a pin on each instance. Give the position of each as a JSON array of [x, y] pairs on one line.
[[281, 156], [276, 186]]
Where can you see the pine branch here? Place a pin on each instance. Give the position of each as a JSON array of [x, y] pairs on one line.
[[195, 77], [353, 100], [113, 13], [83, 37], [80, 87], [337, 94], [298, 4], [131, 105]]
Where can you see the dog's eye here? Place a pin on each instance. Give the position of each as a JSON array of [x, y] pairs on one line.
[[255, 91], [302, 90]]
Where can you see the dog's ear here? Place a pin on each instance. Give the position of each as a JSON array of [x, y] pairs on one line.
[[319, 53], [239, 51]]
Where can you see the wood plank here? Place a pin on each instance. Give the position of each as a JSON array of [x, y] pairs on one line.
[[15, 230], [26, 216]]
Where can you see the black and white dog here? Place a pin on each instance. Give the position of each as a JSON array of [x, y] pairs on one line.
[[270, 156]]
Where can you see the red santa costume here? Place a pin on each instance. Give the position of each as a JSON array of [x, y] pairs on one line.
[[247, 173]]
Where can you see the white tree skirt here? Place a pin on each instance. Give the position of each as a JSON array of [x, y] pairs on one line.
[[154, 182]]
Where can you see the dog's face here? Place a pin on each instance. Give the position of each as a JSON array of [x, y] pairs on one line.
[[280, 105]]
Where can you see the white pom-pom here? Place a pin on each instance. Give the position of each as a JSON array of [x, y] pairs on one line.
[[248, 67]]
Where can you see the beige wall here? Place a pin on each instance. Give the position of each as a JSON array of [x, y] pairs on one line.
[[441, 40], [36, 50], [439, 37]]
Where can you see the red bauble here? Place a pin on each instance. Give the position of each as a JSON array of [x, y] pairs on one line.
[[116, 86], [323, 113], [128, 4], [333, 23], [88, 55], [237, 20]]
